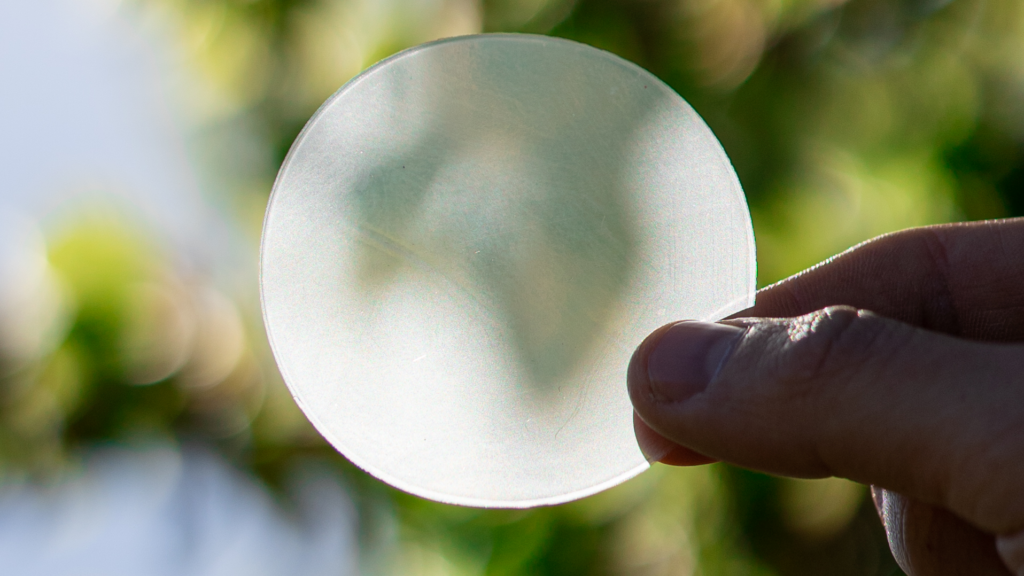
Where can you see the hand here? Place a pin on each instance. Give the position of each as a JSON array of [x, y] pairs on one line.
[[897, 364]]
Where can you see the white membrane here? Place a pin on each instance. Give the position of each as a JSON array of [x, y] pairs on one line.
[[465, 245]]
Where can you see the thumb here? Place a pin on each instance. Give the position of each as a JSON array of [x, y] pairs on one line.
[[844, 392]]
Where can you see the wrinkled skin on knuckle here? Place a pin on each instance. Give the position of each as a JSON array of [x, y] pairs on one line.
[[841, 345], [778, 381], [825, 347], [819, 365]]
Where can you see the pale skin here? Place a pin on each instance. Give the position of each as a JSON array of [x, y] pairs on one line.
[[898, 364]]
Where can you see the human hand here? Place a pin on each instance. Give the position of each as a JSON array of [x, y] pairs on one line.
[[898, 363]]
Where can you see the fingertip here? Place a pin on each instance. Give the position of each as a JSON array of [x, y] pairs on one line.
[[682, 456], [686, 346], [657, 448]]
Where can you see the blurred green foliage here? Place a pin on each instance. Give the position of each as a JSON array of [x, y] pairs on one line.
[[844, 119]]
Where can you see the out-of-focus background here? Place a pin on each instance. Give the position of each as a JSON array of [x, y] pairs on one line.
[[144, 428]]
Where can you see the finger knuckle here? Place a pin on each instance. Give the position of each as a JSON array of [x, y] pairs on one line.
[[833, 343]]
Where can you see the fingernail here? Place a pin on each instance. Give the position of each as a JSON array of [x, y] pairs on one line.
[[686, 357]]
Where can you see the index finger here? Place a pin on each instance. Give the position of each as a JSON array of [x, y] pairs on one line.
[[959, 279]]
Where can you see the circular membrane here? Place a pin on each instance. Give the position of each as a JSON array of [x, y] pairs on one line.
[[464, 247]]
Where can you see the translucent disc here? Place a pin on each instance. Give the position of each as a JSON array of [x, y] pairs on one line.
[[465, 245]]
